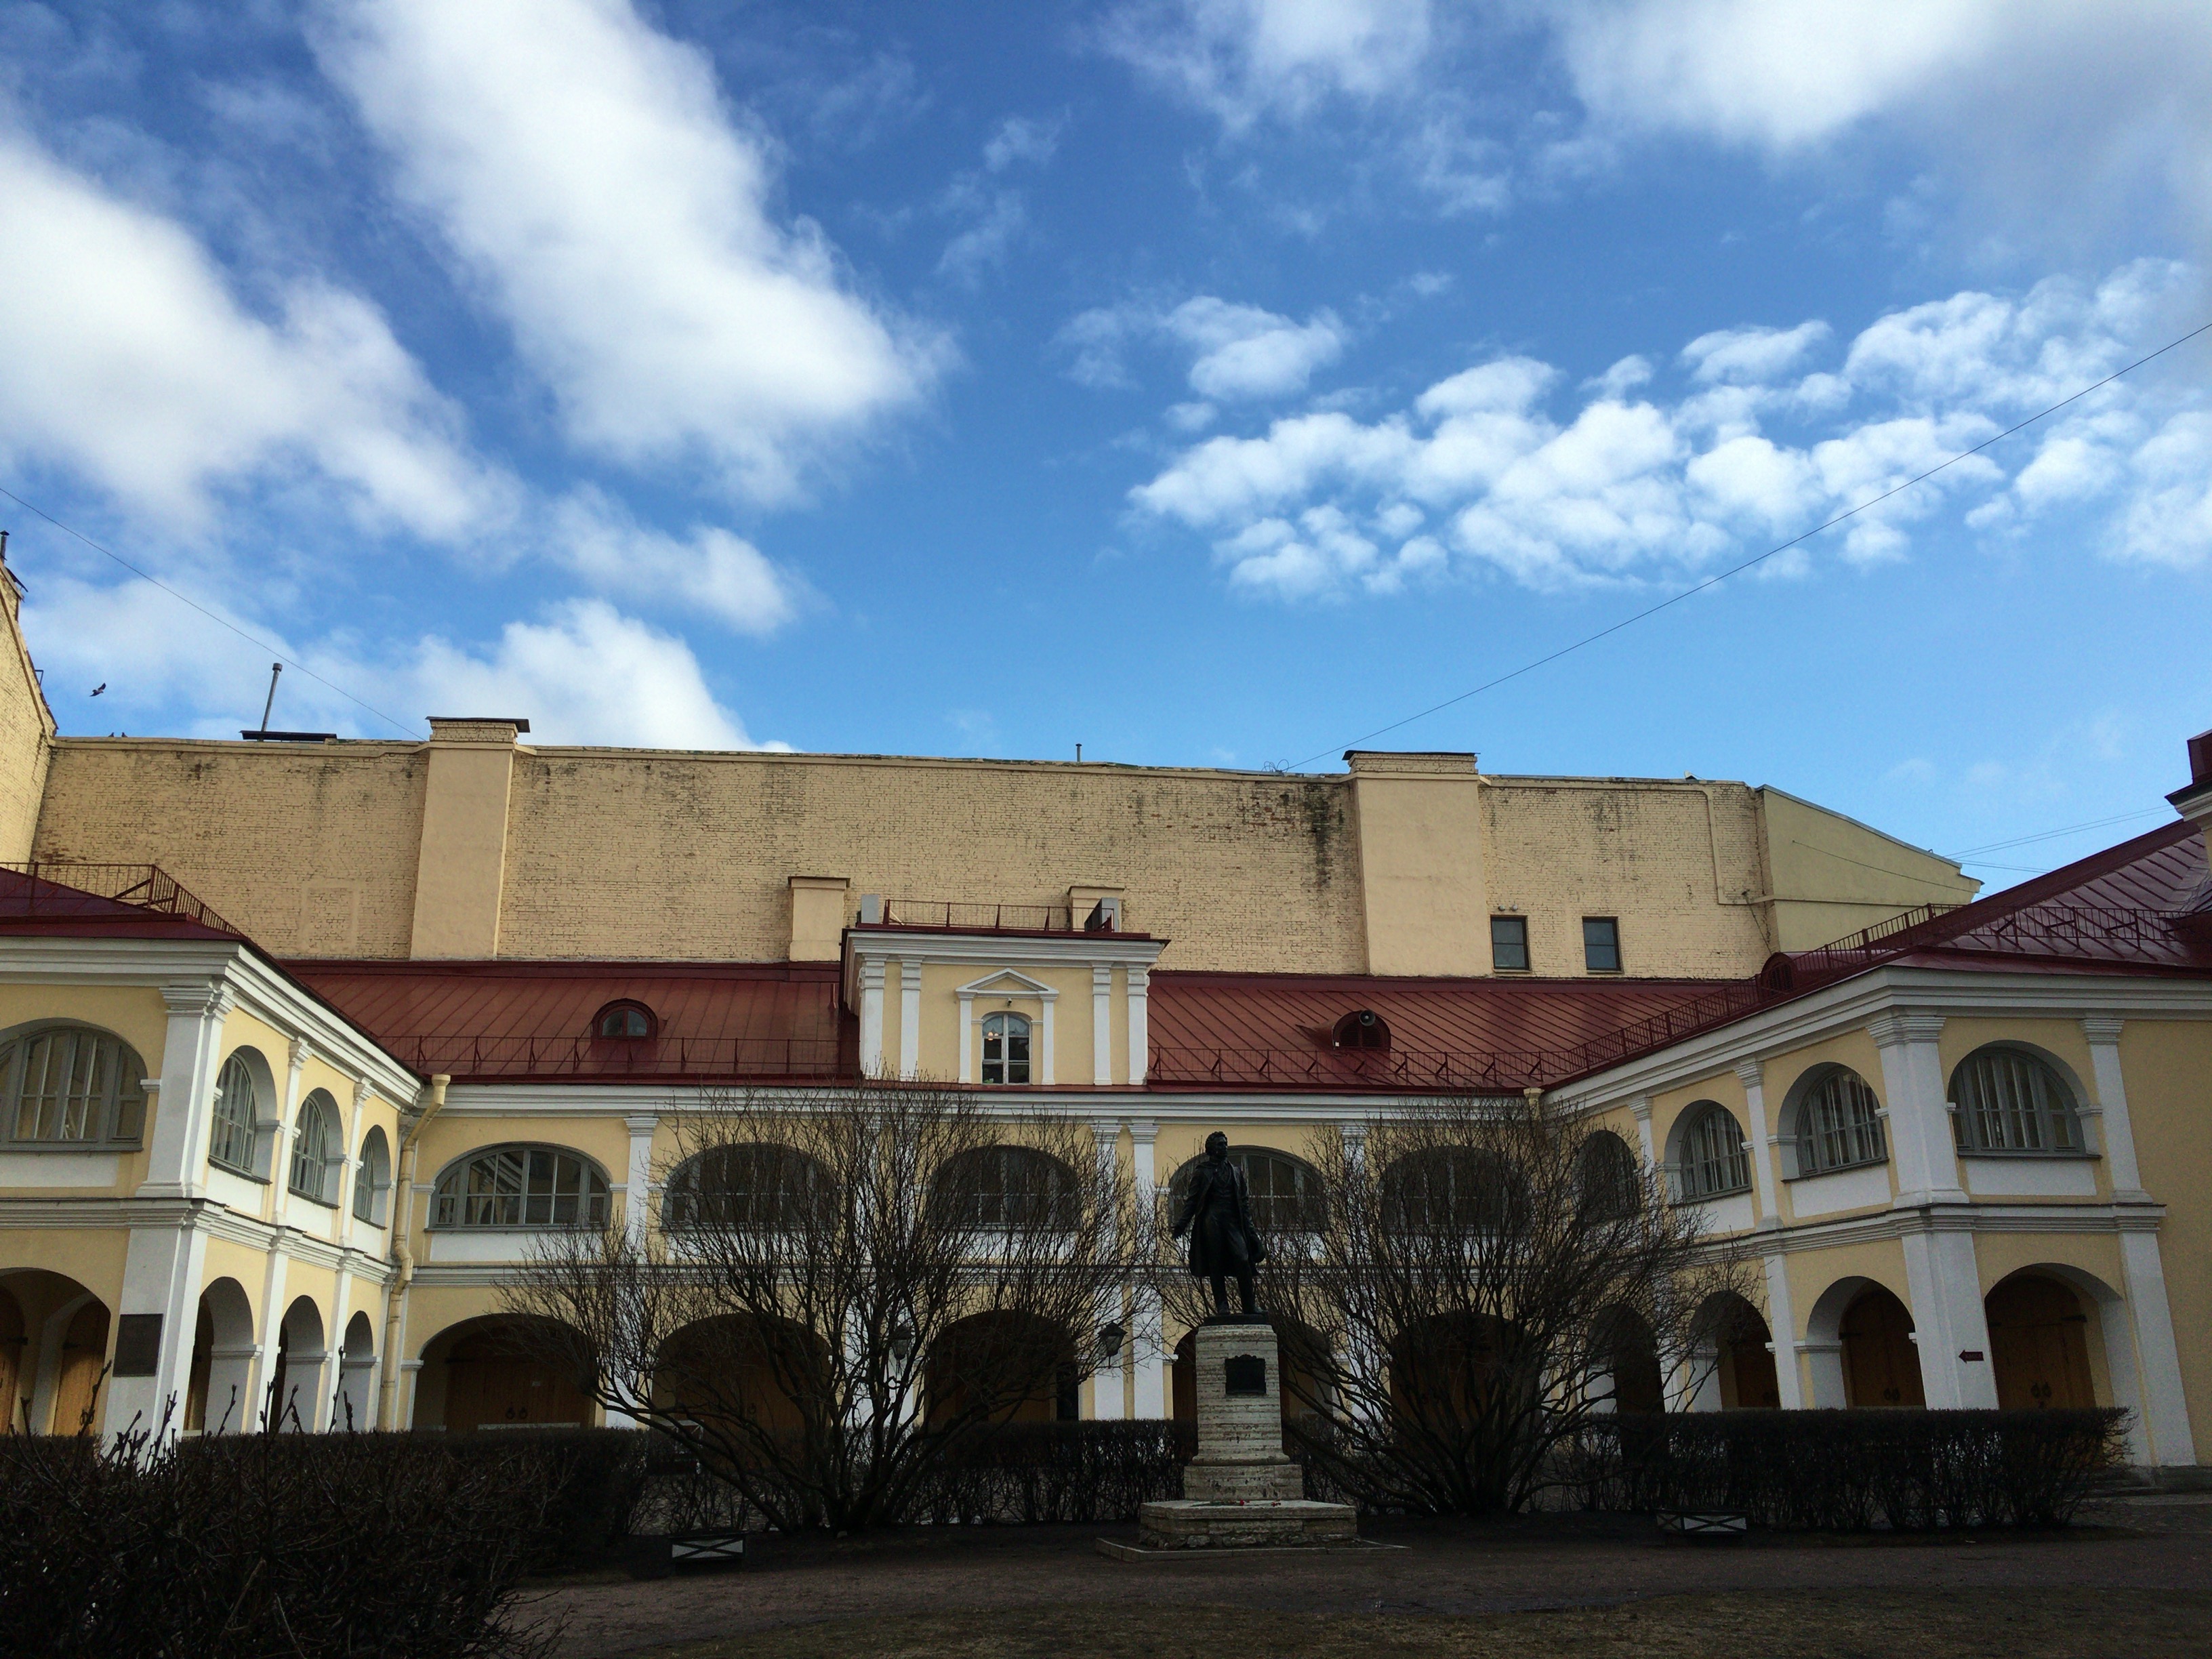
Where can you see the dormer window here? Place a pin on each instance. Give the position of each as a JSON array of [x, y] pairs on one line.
[[1363, 1029], [624, 1022]]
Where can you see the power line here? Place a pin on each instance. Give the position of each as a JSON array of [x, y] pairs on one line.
[[1737, 570], [30, 507], [2053, 834]]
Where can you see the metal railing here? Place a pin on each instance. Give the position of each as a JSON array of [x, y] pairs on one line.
[[960, 916], [55, 885], [461, 1055]]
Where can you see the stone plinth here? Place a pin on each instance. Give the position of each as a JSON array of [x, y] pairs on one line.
[[1241, 1492]]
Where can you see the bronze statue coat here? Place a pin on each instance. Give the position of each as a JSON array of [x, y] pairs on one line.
[[1218, 1210]]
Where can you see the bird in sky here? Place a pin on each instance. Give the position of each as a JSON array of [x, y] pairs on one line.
[[102, 687]]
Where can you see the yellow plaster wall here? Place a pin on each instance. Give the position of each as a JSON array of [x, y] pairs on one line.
[[1421, 863], [1831, 875], [1677, 863], [311, 849], [2167, 1066]]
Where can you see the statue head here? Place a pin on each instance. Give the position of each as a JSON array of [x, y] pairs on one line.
[[1216, 1145]]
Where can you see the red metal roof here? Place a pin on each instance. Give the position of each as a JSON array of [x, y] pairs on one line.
[[509, 1019], [103, 900], [1504, 1034]]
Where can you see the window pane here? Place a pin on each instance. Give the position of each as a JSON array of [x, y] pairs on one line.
[[1508, 944], [1601, 944], [236, 1114]]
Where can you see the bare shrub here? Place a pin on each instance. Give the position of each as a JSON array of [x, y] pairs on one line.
[[1475, 1282], [841, 1289]]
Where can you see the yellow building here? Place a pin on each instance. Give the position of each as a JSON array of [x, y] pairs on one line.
[[302, 1042]]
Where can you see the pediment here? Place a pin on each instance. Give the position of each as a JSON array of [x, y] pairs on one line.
[[1007, 982]]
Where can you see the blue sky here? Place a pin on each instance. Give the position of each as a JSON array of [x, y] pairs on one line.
[[1203, 381]]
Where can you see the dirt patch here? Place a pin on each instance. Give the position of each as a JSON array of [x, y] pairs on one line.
[[2017, 1624]]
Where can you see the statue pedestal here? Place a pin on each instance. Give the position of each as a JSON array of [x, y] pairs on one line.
[[1241, 1492]]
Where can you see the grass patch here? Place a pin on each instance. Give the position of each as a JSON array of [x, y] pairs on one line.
[[1952, 1624]]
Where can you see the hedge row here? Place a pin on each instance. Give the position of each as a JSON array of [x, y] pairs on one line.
[[1849, 1471], [374, 1546]]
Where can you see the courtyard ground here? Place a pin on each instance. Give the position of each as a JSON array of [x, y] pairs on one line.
[[2134, 1582]]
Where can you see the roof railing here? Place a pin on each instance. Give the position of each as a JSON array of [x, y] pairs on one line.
[[463, 1056], [55, 884], [963, 916]]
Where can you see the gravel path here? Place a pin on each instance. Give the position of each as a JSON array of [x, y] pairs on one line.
[[2150, 1543]]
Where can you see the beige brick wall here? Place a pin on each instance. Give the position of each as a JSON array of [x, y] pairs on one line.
[[308, 847]]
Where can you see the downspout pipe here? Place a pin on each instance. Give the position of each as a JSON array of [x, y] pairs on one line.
[[402, 1220]]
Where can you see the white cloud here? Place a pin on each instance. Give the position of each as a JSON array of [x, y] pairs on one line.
[[1239, 353], [582, 673], [127, 357], [607, 205], [710, 569], [1019, 139], [1242, 59], [2049, 109], [1477, 470]]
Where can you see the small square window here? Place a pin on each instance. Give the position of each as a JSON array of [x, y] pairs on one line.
[[1509, 944], [1601, 944]]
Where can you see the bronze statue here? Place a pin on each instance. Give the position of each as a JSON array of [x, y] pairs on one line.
[[1218, 1212]]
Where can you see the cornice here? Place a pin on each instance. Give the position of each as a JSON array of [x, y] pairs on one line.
[[1071, 950]]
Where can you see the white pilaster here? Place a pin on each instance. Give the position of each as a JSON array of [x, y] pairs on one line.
[[872, 1015], [637, 1176], [1045, 1072], [161, 1270], [1138, 995], [1101, 1025], [2116, 1132], [1752, 1073], [178, 1137], [1922, 1139], [967, 1036], [2165, 1408], [1106, 1387], [1782, 1326], [278, 1197], [909, 1019], [1641, 1106], [1146, 1316]]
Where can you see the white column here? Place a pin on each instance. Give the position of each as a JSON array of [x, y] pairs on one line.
[[1922, 1139], [909, 1019], [2165, 1408], [1045, 1072], [1641, 1106], [1139, 988], [967, 1036], [1944, 1277], [1752, 1073], [637, 1176], [1101, 1025], [1106, 1401], [1144, 1314], [872, 1015], [162, 1266], [177, 1139]]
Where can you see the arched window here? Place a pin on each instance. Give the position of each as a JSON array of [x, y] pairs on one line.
[[1713, 1161], [1363, 1029], [1006, 1049], [315, 1149], [520, 1186], [74, 1084], [1607, 1185], [1452, 1189], [1006, 1187], [2009, 1100], [626, 1021], [372, 1178], [232, 1142], [1286, 1192], [1838, 1125], [755, 1186]]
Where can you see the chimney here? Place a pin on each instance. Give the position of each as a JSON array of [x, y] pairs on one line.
[[2194, 802]]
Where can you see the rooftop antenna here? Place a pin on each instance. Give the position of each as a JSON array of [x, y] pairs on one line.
[[1078, 754], [275, 669]]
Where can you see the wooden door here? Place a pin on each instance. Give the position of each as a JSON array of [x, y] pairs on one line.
[[84, 1355], [2038, 1344], [1881, 1366], [1749, 1370], [486, 1385]]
